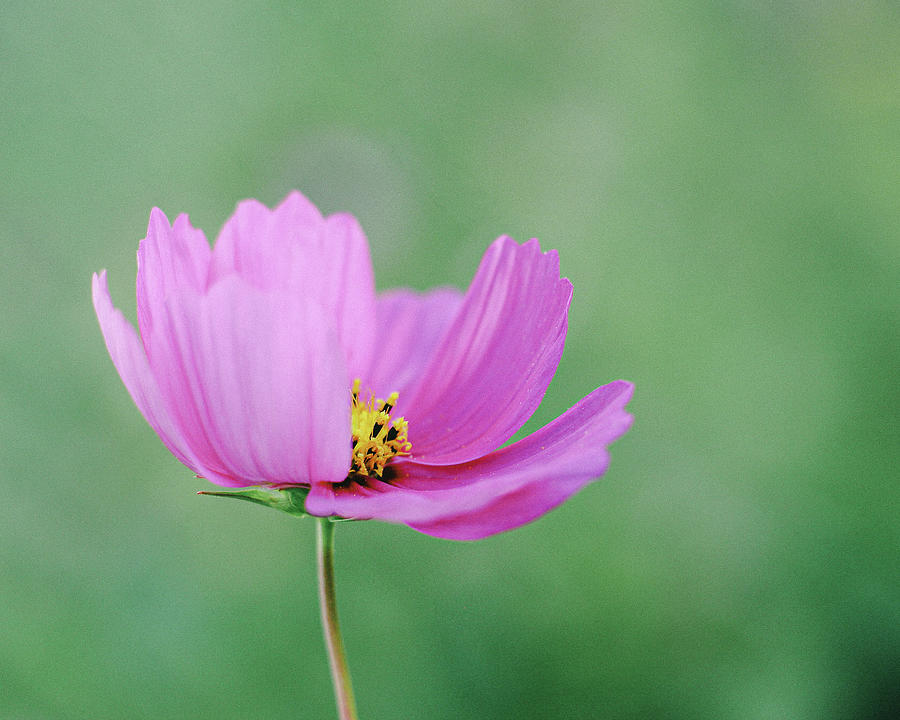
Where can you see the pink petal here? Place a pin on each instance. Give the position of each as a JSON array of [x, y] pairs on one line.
[[256, 381], [169, 258], [498, 492], [493, 366], [409, 326], [293, 249], [128, 356]]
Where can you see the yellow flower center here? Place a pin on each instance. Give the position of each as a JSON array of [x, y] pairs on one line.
[[375, 438]]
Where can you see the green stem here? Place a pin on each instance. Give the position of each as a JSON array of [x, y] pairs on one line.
[[340, 674]]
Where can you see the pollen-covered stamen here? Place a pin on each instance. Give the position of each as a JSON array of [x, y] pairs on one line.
[[376, 439]]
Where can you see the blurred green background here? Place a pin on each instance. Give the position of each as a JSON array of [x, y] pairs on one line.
[[721, 181]]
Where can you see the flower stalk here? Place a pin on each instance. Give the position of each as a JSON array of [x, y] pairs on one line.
[[340, 673]]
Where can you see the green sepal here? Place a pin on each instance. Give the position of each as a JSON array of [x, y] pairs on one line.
[[289, 499]]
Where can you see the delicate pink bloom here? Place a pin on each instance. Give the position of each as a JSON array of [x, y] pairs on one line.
[[248, 353]]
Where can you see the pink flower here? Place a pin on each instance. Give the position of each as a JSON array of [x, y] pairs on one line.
[[248, 354]]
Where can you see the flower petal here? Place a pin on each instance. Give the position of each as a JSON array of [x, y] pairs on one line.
[[128, 356], [409, 326], [257, 382], [498, 492], [169, 257], [496, 360], [293, 249]]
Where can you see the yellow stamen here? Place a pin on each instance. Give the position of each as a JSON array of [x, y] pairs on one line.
[[376, 439]]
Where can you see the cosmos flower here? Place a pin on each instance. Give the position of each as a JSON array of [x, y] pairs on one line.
[[270, 361]]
